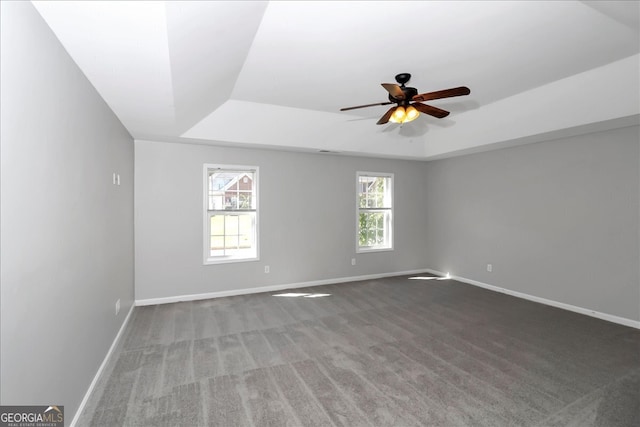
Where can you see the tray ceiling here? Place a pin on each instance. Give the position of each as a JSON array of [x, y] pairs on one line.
[[274, 74]]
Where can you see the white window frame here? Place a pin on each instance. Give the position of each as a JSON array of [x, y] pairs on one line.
[[212, 260], [389, 230]]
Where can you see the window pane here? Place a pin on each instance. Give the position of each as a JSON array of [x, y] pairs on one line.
[[231, 225], [371, 237], [217, 225], [245, 224], [362, 229], [245, 231], [231, 242], [216, 200], [217, 244], [245, 241], [245, 200]]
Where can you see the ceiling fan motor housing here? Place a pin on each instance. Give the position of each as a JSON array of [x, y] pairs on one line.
[[409, 93]]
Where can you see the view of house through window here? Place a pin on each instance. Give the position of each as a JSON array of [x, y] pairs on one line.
[[375, 211], [231, 213]]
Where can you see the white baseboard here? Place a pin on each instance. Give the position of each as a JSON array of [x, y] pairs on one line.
[[194, 297], [101, 368], [245, 291], [604, 316]]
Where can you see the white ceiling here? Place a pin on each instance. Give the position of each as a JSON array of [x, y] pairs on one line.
[[275, 74]]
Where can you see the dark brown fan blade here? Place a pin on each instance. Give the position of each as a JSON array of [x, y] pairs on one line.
[[394, 90], [384, 119], [430, 110], [363, 106], [447, 93]]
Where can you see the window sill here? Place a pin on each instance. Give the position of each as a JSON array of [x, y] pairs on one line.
[[369, 250], [228, 260]]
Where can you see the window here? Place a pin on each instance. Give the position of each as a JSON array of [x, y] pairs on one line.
[[230, 213], [375, 211]]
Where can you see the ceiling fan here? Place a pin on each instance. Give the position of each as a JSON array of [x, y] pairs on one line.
[[409, 102]]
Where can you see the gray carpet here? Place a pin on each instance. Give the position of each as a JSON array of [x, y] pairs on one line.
[[387, 352]]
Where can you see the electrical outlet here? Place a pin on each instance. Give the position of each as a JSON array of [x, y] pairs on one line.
[[118, 306], [489, 268], [266, 269], [353, 261]]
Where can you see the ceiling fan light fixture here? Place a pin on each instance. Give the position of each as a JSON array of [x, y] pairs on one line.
[[402, 115], [398, 115], [411, 114]]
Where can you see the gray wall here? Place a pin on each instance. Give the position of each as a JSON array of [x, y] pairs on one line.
[[558, 220], [67, 232], [307, 219]]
